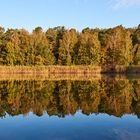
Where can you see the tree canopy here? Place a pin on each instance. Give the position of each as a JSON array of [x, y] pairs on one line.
[[61, 46]]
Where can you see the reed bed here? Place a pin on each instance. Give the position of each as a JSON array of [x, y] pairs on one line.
[[23, 70], [50, 72], [63, 72], [74, 69], [49, 69]]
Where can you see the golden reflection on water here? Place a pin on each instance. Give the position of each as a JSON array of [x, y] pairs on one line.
[[113, 95]]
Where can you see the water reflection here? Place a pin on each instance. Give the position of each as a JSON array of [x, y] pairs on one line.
[[110, 95]]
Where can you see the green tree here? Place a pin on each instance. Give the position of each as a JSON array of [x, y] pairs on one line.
[[89, 48], [136, 48], [25, 46], [14, 55], [2, 52], [54, 35], [42, 50]]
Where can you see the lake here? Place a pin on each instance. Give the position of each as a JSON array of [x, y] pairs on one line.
[[107, 108]]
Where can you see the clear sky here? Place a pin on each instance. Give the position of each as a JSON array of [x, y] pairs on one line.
[[69, 13]]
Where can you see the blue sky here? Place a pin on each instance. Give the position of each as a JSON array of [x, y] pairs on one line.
[[69, 13]]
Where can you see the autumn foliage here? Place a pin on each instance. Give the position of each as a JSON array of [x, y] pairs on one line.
[[60, 46]]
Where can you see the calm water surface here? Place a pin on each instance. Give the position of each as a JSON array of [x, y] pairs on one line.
[[105, 109]]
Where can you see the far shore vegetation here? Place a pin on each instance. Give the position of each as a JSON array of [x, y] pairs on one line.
[[91, 50]]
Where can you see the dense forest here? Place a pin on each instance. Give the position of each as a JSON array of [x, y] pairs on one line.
[[61, 98], [60, 46]]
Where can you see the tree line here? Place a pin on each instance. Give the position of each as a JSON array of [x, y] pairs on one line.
[[62, 98], [61, 46]]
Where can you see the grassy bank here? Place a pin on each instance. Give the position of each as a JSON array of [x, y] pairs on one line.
[[49, 69], [50, 73], [67, 70], [64, 72], [23, 70]]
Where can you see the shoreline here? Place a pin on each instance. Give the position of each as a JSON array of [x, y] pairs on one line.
[[66, 72], [75, 69]]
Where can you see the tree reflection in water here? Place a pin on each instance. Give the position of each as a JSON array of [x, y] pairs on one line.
[[108, 95]]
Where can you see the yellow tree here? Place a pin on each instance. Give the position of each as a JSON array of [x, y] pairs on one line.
[[119, 46], [67, 45]]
